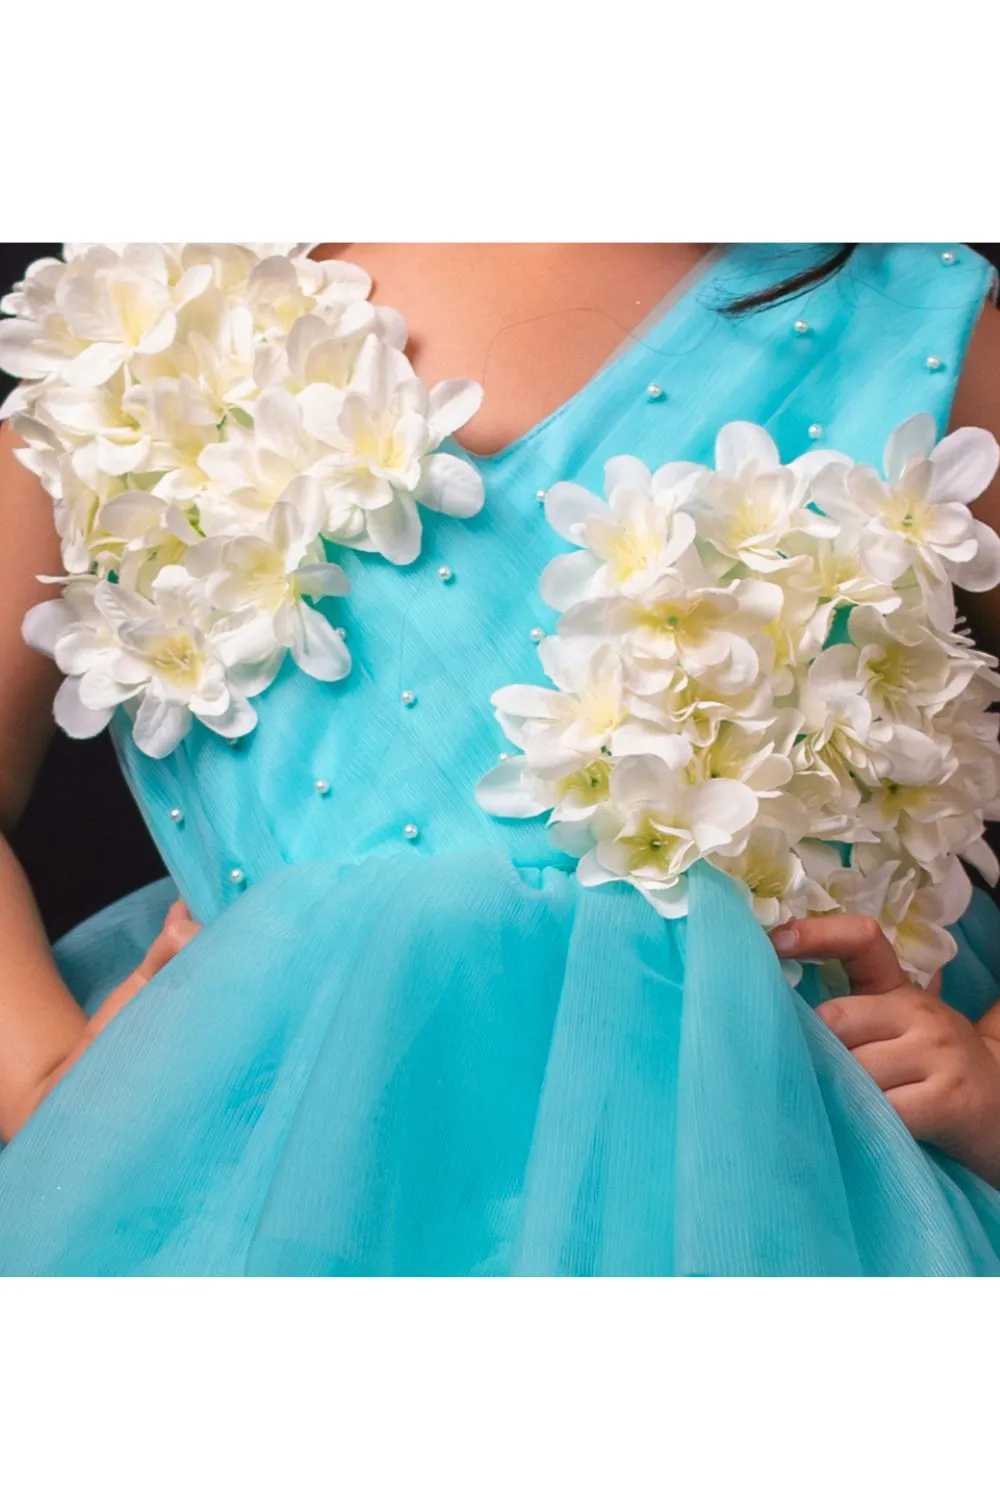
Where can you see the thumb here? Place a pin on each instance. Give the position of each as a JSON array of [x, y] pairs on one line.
[[858, 942], [178, 929]]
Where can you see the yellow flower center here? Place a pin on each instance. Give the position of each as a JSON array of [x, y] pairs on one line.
[[177, 658], [380, 445], [653, 849], [909, 515], [134, 312], [591, 784], [630, 551]]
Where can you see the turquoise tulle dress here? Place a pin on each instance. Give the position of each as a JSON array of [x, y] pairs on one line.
[[437, 1054]]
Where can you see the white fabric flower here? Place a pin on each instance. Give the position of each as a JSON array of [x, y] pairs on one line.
[[776, 880], [751, 506], [914, 912], [253, 469], [906, 668], [214, 348], [685, 621], [144, 534], [770, 654], [121, 304], [918, 516], [91, 424], [164, 657], [513, 789], [202, 415], [590, 712], [280, 289], [382, 436], [656, 824], [626, 541], [74, 632], [275, 572]]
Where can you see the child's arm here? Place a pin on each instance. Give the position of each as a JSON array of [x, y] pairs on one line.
[[42, 1029], [939, 1072], [39, 1021]]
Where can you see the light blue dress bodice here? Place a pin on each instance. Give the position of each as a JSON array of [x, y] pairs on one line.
[[858, 370]]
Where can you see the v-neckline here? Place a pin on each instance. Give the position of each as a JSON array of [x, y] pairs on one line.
[[615, 365]]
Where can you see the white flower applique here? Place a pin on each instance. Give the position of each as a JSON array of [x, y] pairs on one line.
[[918, 518], [210, 420], [756, 665]]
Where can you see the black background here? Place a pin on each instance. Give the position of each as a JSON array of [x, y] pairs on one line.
[[82, 840]]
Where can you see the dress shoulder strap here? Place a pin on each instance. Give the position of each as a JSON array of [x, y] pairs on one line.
[[861, 352], [909, 311]]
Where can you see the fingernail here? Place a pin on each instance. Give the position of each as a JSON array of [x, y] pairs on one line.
[[786, 941]]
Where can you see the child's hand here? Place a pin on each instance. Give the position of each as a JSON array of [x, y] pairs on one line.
[[177, 931], [939, 1072]]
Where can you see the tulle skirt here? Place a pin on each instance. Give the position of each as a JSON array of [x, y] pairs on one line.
[[453, 1066]]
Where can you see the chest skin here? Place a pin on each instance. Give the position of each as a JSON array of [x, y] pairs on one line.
[[531, 323]]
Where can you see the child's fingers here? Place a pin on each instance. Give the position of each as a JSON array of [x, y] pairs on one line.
[[918, 1108], [858, 942], [893, 1064], [857, 1019], [177, 931]]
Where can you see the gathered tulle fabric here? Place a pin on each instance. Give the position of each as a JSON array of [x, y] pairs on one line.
[[390, 1054], [530, 1078]]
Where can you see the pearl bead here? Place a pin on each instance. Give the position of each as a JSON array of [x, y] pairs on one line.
[[538, 634], [815, 430], [176, 815], [540, 496], [948, 257], [342, 632], [411, 831], [407, 698], [321, 786], [445, 574], [933, 362], [237, 876], [504, 755], [654, 393], [800, 326]]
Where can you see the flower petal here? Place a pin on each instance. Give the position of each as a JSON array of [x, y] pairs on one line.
[[981, 572], [911, 440], [395, 530], [451, 404], [318, 648], [567, 578], [740, 442], [525, 701], [509, 791], [45, 623], [236, 720], [625, 470], [450, 484], [567, 505], [963, 464], [322, 580], [159, 726], [73, 718]]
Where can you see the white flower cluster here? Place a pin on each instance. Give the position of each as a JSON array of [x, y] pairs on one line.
[[207, 418], [759, 665]]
